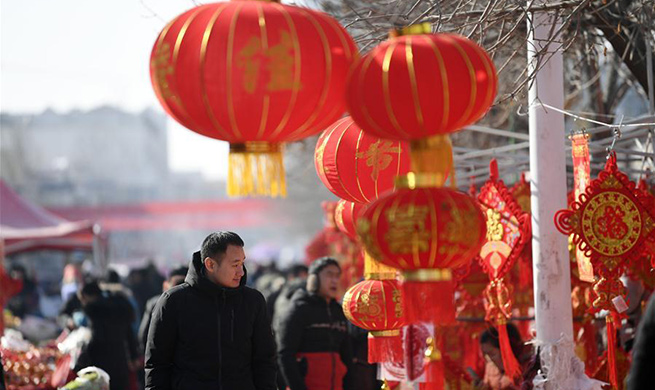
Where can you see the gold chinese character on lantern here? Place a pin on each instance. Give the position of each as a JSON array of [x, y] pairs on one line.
[[407, 233], [379, 156], [161, 62], [278, 61]]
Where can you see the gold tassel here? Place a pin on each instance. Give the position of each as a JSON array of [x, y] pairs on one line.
[[256, 169], [434, 156], [375, 270]]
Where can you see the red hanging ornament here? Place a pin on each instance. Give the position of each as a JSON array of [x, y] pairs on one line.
[[425, 232], [256, 74], [356, 166], [611, 223], [508, 232], [376, 305]]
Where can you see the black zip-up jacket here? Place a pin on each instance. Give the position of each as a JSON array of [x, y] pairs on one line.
[[314, 351], [642, 372], [206, 337]]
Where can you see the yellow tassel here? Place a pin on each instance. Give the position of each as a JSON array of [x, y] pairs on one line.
[[256, 169], [375, 270], [434, 156]]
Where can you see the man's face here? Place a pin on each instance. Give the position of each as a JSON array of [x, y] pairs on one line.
[[230, 270], [329, 278]]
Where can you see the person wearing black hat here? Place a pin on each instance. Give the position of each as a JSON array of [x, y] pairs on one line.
[[212, 332], [314, 351]]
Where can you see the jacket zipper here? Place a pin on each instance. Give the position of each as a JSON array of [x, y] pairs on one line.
[[331, 345]]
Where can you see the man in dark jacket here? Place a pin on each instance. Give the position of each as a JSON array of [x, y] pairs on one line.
[[642, 372], [313, 346], [211, 332], [113, 344]]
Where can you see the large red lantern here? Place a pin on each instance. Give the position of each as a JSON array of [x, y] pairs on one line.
[[418, 86], [357, 166], [426, 232], [256, 74], [376, 305]]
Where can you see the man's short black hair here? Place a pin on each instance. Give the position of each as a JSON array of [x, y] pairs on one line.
[[91, 289], [216, 244]]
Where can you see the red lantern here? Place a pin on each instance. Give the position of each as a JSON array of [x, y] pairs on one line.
[[376, 305], [345, 216], [418, 86], [255, 74], [357, 166], [425, 232]]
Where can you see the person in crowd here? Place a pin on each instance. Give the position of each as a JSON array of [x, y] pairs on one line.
[[212, 332], [642, 371], [295, 277], [175, 278], [314, 349], [494, 372], [113, 345], [27, 300], [71, 281]]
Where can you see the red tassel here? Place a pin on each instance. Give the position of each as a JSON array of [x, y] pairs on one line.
[[511, 365], [429, 302], [385, 348], [590, 346], [611, 350], [434, 375]]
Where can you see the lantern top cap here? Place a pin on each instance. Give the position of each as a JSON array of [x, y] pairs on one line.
[[414, 29]]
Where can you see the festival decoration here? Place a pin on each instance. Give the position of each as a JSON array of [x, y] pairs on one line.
[[452, 83], [508, 232], [425, 232], [581, 180], [376, 305], [345, 217], [610, 222], [356, 166], [256, 74]]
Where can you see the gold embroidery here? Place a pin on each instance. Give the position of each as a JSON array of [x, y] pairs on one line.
[[407, 233], [379, 156], [278, 61], [494, 227], [161, 62]]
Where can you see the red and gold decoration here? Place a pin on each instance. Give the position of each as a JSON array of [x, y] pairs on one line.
[[345, 217], [581, 180], [376, 305], [356, 166], [425, 232], [611, 222], [452, 83], [256, 74], [508, 232]]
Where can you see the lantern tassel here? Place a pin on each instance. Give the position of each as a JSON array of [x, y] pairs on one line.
[[256, 169], [511, 365], [611, 351], [428, 296], [433, 155], [435, 370], [382, 348]]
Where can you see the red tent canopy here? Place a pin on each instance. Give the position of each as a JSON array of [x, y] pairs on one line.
[[25, 226]]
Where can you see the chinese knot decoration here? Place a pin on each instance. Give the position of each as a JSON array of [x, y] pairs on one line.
[[611, 222], [357, 166], [376, 305], [256, 74], [508, 232]]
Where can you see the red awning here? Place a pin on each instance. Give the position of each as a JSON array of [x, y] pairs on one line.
[[25, 226]]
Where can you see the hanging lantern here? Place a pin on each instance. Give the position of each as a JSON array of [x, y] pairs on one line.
[[256, 74], [345, 216], [421, 87], [357, 166], [611, 222], [376, 305], [425, 232]]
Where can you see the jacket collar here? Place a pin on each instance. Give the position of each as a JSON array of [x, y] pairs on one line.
[[196, 278]]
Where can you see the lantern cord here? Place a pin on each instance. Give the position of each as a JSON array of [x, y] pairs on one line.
[[568, 113], [616, 134]]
